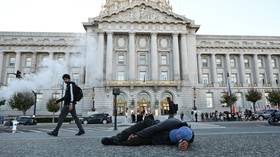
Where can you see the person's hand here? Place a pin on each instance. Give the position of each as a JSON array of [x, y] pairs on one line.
[[183, 145], [132, 136], [71, 107]]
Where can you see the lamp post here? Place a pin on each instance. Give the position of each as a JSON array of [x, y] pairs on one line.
[[116, 92], [35, 103], [194, 97]]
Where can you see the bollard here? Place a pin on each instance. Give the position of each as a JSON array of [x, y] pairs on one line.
[[14, 128]]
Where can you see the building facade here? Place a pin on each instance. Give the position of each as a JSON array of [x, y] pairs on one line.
[[150, 53]]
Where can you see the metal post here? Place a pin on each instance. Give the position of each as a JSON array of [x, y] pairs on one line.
[[194, 97], [35, 104], [115, 112]]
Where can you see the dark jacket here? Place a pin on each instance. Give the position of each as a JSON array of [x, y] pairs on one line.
[[171, 108], [69, 94], [159, 133]]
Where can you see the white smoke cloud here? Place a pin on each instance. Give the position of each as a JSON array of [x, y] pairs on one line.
[[46, 78]]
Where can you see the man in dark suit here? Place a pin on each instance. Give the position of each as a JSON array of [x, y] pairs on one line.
[[69, 106], [150, 132]]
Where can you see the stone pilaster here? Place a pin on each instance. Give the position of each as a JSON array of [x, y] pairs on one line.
[[176, 57], [256, 69], [18, 61], [184, 57], [199, 68], [191, 61], [34, 61], [228, 68], [213, 68], [241, 69], [269, 69], [109, 53], [154, 58], [132, 56], [1, 66]]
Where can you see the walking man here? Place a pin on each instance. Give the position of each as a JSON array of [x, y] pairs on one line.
[[171, 107], [69, 106]]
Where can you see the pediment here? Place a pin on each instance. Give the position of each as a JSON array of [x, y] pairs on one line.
[[143, 13]]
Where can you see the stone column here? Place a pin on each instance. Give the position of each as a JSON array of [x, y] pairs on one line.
[[214, 68], [18, 61], [34, 61], [176, 57], [242, 69], [67, 62], [109, 53], [154, 58], [132, 56], [228, 68], [1, 66], [192, 62], [91, 57], [51, 54], [184, 57], [270, 70], [199, 68], [256, 69]]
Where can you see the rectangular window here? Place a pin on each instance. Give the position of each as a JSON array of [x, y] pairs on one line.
[[274, 63], [232, 63], [60, 59], [143, 59], [164, 60], [10, 78], [142, 75], [234, 78], [121, 59], [120, 76], [219, 63], [28, 62], [209, 100], [12, 61], [248, 78], [262, 78], [39, 97], [204, 62], [246, 63], [76, 78], [164, 75], [275, 78], [220, 78], [205, 78], [260, 63]]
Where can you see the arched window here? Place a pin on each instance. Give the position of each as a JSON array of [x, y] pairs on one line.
[[143, 103], [164, 106], [121, 105]]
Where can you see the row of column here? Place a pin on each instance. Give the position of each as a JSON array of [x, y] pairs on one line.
[[132, 55], [241, 68]]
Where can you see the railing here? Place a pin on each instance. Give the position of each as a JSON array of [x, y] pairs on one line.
[[118, 83]]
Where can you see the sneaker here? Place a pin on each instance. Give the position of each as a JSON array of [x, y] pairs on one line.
[[80, 133], [52, 134]]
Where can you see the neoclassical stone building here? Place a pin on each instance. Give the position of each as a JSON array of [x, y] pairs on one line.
[[150, 53]]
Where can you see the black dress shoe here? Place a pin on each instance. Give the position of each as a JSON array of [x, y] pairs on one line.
[[80, 133], [52, 134]]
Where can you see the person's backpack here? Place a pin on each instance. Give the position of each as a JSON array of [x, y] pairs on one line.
[[78, 93]]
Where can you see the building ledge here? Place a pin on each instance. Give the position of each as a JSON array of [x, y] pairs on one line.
[[116, 83]]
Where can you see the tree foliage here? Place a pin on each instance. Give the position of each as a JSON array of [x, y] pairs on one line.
[[229, 100], [274, 98], [22, 101], [253, 96], [2, 102], [53, 107]]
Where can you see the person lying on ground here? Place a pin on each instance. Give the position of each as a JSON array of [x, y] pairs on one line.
[[150, 132]]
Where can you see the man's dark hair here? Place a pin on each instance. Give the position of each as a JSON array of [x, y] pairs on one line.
[[66, 76]]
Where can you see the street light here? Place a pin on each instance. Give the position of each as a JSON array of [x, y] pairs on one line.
[[194, 97], [116, 92], [35, 103]]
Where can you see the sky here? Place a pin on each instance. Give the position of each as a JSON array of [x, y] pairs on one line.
[[219, 17]]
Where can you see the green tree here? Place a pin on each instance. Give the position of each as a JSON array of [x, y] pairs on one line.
[[229, 100], [2, 102], [22, 101], [253, 96], [53, 107], [274, 98]]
